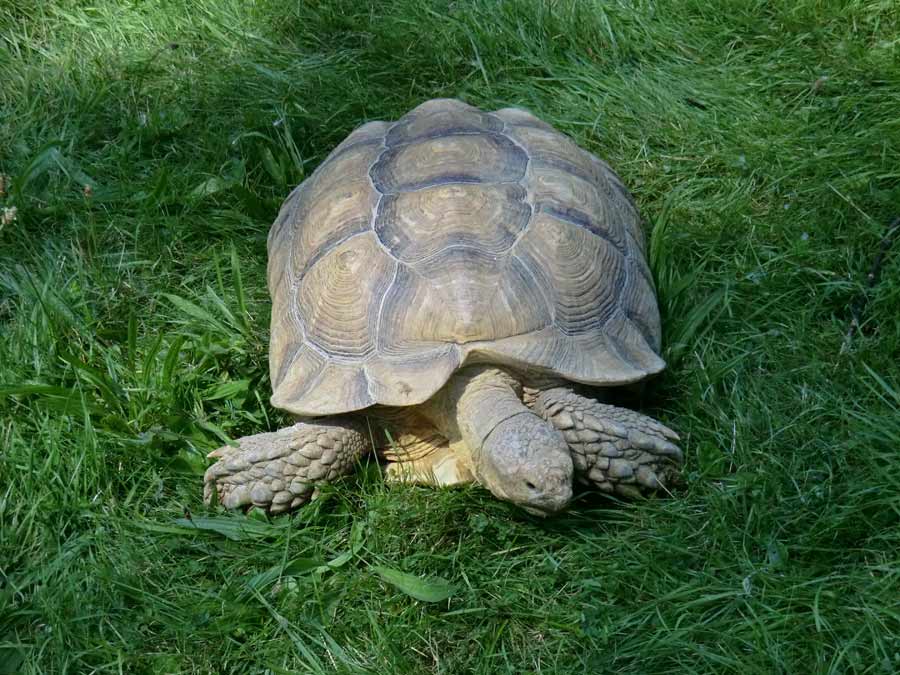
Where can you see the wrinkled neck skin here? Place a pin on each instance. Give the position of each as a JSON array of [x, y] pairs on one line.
[[488, 395], [509, 449]]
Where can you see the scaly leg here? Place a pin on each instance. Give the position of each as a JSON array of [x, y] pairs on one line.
[[279, 471], [616, 449]]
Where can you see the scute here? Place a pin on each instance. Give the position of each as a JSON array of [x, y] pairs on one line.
[[620, 200], [550, 148], [569, 197], [461, 295], [331, 388], [413, 378], [454, 158], [336, 204], [419, 224], [591, 358], [583, 274], [288, 340], [639, 302], [421, 124], [369, 133], [450, 237], [337, 296], [519, 117]]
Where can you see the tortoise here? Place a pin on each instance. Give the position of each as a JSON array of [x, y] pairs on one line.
[[458, 291]]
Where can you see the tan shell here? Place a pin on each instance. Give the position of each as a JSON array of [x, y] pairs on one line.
[[449, 237]]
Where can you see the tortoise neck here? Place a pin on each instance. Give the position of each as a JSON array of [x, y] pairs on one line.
[[473, 402], [510, 450]]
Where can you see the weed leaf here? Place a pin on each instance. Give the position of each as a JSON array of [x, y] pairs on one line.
[[236, 528], [426, 589]]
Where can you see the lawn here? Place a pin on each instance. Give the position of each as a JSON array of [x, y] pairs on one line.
[[146, 148]]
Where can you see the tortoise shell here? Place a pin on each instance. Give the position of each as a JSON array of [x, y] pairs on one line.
[[455, 236]]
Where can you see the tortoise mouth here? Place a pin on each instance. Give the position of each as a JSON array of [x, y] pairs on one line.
[[541, 512], [551, 502], [551, 496]]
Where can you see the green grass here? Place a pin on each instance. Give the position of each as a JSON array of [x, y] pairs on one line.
[[134, 322]]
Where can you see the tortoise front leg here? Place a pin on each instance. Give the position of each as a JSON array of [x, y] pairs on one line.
[[279, 471], [616, 449]]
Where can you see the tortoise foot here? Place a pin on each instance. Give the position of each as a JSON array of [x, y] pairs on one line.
[[617, 450], [280, 471]]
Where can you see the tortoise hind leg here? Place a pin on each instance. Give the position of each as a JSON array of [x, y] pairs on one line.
[[279, 471], [615, 449]]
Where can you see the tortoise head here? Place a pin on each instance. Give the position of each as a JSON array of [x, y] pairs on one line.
[[526, 461]]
